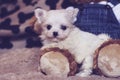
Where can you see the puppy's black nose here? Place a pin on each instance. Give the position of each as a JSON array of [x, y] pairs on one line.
[[55, 34]]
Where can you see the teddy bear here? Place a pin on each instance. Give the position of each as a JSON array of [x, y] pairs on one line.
[[60, 62]]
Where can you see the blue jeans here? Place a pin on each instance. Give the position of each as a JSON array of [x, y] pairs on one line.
[[96, 19]]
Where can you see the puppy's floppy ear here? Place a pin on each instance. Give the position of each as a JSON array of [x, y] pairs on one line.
[[72, 13], [40, 14]]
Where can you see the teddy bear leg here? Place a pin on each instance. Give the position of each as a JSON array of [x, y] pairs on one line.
[[86, 68]]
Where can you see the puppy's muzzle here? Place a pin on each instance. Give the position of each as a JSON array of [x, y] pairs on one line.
[[55, 34]]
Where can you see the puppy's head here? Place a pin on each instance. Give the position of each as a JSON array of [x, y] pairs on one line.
[[56, 24]]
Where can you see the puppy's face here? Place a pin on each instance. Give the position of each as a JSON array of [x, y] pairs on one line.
[[56, 24]]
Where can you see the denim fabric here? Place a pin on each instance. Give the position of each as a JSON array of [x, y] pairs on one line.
[[96, 18]]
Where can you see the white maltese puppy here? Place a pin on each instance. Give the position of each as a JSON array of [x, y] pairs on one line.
[[58, 31]]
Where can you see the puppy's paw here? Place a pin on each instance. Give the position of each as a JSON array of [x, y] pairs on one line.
[[44, 48], [104, 37], [48, 46], [84, 73]]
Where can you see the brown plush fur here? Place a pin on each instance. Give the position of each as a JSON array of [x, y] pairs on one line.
[[35, 25], [66, 53], [105, 49]]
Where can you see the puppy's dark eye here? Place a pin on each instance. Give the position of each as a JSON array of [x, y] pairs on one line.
[[63, 27], [49, 27]]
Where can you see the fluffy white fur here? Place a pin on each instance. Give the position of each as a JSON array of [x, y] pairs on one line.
[[81, 44]]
